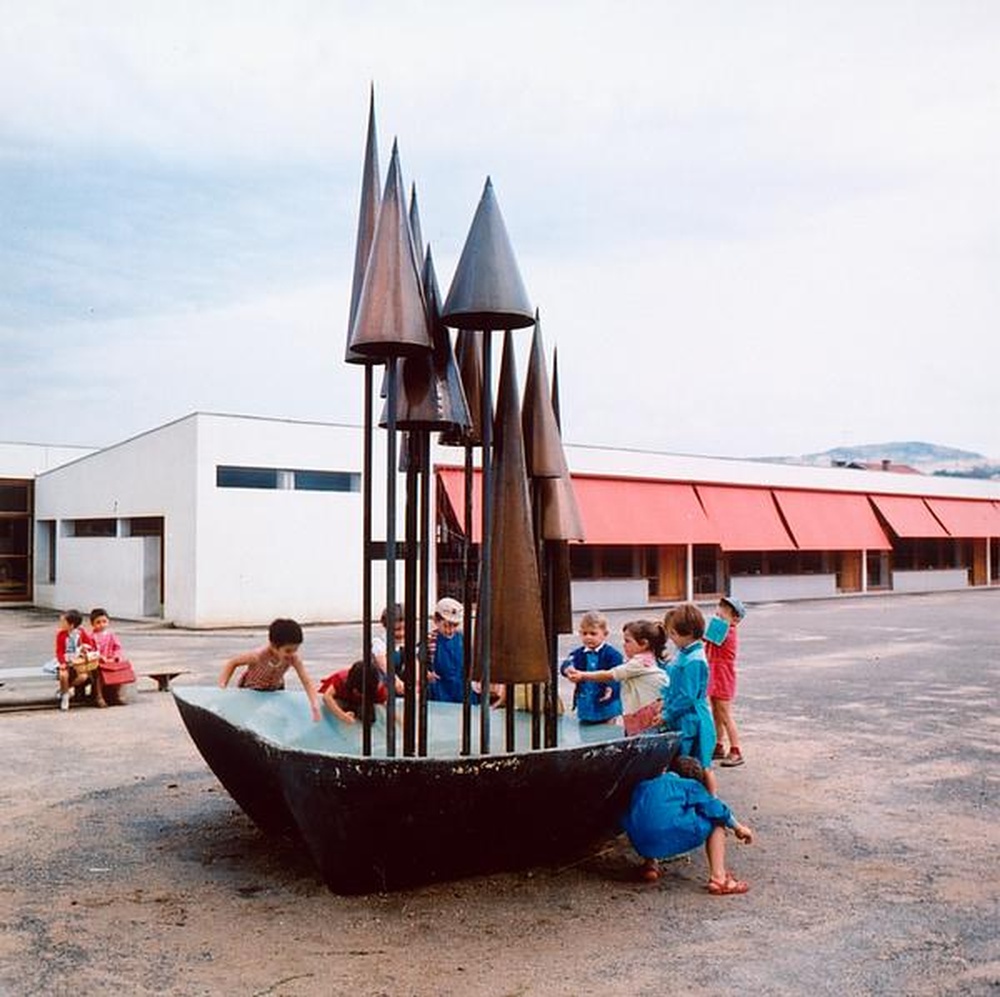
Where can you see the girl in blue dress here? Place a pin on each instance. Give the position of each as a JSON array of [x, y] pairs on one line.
[[685, 701], [674, 813]]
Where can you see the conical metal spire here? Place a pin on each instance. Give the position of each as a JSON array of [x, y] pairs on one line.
[[418, 238], [487, 291], [542, 445], [432, 395], [469, 355], [391, 317], [518, 646], [367, 217]]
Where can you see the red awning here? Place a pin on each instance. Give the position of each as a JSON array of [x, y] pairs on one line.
[[831, 521], [967, 518], [628, 511], [745, 518], [909, 516], [614, 510]]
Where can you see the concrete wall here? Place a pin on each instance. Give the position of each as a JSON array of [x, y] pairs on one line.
[[930, 580], [766, 588]]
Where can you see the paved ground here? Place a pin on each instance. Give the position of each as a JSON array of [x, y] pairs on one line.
[[872, 735]]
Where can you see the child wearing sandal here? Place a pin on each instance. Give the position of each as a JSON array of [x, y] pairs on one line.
[[674, 813], [685, 702], [722, 682], [76, 658]]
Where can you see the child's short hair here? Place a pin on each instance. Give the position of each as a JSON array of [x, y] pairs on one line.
[[650, 632], [593, 619], [96, 612], [355, 676], [73, 617], [688, 768], [687, 620], [397, 613], [283, 632]]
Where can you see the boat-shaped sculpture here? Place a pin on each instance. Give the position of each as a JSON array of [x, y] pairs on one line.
[[374, 823]]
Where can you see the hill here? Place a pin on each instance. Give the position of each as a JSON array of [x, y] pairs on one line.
[[928, 458]]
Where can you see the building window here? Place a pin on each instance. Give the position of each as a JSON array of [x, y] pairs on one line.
[[144, 526], [246, 477], [281, 479], [93, 528], [327, 481], [14, 497], [45, 550]]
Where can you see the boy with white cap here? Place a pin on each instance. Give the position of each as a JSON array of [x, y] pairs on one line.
[[447, 653]]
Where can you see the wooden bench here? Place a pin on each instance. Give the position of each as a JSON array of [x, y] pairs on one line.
[[164, 676]]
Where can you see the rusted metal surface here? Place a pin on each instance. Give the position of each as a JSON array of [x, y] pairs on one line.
[[367, 217], [469, 357], [487, 291], [391, 317]]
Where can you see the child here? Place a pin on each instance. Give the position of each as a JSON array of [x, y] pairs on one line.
[[446, 649], [641, 677], [380, 650], [595, 702], [265, 669], [722, 683], [674, 813], [341, 692], [685, 705], [115, 671], [76, 657]]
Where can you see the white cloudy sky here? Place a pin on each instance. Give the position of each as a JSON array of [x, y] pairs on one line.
[[751, 228]]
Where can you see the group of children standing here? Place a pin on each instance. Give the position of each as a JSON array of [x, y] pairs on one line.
[[91, 658], [690, 693]]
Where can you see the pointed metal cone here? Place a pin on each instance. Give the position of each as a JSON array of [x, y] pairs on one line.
[[418, 238], [391, 318], [469, 355], [432, 397], [560, 513], [518, 645], [558, 581], [487, 291], [555, 390], [411, 448], [367, 217], [542, 444]]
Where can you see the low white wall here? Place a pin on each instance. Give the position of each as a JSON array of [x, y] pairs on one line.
[[117, 585], [764, 588], [609, 593], [930, 580]]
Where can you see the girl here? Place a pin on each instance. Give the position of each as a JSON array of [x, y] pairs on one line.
[[685, 706], [75, 653], [673, 814], [722, 683], [115, 671], [641, 677]]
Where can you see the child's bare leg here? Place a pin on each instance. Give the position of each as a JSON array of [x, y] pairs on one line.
[[720, 726], [99, 688], [715, 853], [63, 679], [725, 715]]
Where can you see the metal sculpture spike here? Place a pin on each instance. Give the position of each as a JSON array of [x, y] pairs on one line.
[[391, 317], [367, 217], [487, 291], [518, 647], [431, 396], [469, 356], [418, 237], [542, 444]]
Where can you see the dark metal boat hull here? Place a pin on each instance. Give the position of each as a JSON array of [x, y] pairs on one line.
[[377, 823]]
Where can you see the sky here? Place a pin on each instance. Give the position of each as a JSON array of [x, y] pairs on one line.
[[750, 229]]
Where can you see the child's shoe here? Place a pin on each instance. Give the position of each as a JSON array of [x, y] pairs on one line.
[[649, 871], [64, 701], [734, 758], [719, 753]]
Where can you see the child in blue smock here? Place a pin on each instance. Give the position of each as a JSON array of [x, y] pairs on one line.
[[674, 813], [594, 702], [446, 646], [685, 701]]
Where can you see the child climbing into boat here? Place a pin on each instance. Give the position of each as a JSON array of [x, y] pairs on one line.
[[685, 702], [722, 682], [115, 671], [674, 813], [342, 692], [642, 680], [266, 667], [446, 653], [595, 702]]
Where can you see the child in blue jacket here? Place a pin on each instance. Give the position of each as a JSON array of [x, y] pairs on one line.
[[594, 702]]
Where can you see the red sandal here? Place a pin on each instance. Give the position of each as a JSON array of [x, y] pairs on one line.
[[727, 887]]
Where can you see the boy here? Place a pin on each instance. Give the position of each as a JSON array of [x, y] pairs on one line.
[[722, 683], [446, 646], [265, 668], [594, 702]]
